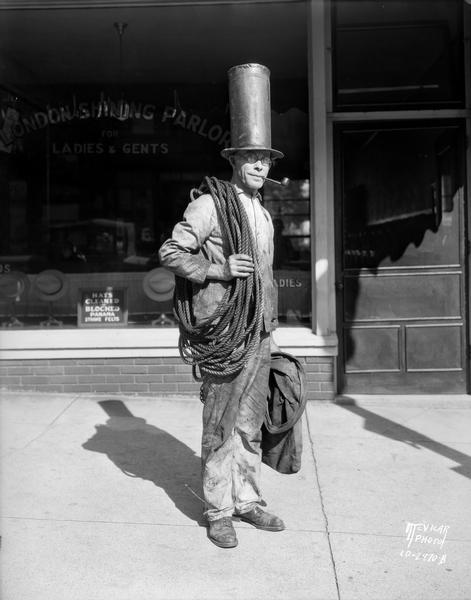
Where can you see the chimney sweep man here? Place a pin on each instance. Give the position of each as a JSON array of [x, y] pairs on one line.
[[226, 305]]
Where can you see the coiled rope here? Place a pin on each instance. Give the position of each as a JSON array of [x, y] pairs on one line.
[[223, 343]]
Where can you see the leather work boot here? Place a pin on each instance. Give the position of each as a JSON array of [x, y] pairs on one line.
[[262, 520], [221, 532]]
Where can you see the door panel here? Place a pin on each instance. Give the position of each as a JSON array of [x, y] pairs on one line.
[[372, 349], [436, 347], [400, 271], [402, 296]]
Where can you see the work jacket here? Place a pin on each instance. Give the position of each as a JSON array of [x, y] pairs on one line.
[[282, 439], [197, 242]]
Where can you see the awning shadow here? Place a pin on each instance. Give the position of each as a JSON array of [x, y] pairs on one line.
[[394, 431], [148, 452]]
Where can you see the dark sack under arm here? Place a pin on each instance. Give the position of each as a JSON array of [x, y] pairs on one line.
[[282, 430]]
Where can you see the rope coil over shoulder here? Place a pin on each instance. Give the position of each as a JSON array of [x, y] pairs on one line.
[[222, 344]]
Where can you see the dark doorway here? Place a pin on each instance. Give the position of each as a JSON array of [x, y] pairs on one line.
[[401, 258]]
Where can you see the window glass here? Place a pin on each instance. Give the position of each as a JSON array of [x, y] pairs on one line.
[[108, 119], [401, 190], [289, 207], [397, 54]]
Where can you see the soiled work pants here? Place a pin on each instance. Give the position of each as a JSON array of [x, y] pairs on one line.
[[233, 414]]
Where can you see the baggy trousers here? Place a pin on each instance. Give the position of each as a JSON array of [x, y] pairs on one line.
[[233, 414]]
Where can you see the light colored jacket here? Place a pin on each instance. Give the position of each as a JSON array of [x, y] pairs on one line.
[[197, 242]]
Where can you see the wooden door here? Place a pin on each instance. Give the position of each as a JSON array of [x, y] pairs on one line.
[[401, 259]]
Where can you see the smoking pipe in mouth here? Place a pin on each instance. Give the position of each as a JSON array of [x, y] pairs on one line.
[[284, 182]]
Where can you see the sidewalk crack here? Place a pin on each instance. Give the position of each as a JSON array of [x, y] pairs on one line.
[[44, 431], [324, 513]]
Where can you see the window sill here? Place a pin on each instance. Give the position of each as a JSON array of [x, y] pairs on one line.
[[125, 342]]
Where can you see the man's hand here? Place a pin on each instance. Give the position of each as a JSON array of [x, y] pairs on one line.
[[237, 265]]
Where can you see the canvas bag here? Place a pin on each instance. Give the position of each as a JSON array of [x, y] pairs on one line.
[[282, 428]]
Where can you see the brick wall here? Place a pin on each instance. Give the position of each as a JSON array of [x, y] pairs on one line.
[[158, 376], [320, 377]]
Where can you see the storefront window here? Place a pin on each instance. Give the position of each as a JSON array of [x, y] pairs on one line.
[[289, 207], [108, 119], [397, 54]]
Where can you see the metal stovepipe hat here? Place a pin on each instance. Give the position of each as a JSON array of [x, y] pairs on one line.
[[249, 105]]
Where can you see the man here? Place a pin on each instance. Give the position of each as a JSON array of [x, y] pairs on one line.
[[234, 406]]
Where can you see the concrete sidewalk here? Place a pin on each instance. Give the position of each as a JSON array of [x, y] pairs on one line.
[[96, 505]]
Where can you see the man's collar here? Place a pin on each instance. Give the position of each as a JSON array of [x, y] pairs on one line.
[[240, 192]]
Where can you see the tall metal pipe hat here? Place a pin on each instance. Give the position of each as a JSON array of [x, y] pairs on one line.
[[249, 105]]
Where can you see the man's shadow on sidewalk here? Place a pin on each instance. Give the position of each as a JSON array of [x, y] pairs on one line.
[[144, 451]]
